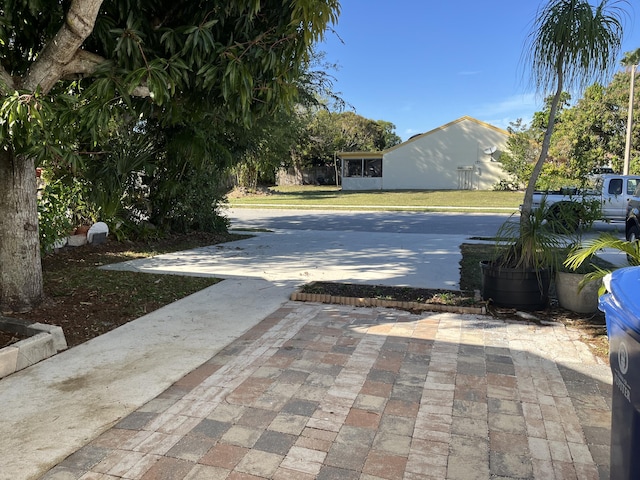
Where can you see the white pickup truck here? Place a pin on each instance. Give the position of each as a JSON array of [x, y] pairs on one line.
[[612, 191]]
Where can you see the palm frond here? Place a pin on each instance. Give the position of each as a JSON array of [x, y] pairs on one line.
[[605, 241], [575, 40]]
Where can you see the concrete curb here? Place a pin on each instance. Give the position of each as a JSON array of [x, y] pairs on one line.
[[376, 302], [43, 341]]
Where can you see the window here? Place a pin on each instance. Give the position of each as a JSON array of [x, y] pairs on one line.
[[632, 185], [363, 167], [615, 186], [354, 168], [373, 167]]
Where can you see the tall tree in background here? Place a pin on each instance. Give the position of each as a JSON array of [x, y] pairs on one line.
[[158, 60], [592, 132], [630, 60], [582, 139], [521, 152], [571, 43], [331, 132]]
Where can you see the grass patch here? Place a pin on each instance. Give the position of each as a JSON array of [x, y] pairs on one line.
[[416, 200]]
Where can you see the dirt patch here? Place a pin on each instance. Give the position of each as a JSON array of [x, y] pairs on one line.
[[8, 338], [86, 301], [399, 294], [241, 192]]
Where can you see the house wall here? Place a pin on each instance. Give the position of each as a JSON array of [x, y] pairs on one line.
[[432, 160], [362, 183]]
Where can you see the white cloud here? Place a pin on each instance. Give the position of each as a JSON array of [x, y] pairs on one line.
[[523, 102], [510, 109]]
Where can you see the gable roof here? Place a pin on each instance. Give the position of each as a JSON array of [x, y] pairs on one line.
[[419, 136], [447, 125]]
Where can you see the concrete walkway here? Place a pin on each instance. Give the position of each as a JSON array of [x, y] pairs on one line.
[[55, 407], [279, 389]]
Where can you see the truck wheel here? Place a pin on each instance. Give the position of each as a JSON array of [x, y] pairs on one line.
[[564, 218], [633, 235]]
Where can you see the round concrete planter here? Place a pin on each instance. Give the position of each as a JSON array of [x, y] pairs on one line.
[[571, 297]]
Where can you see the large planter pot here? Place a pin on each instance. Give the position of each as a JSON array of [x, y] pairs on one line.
[[515, 287], [572, 298]]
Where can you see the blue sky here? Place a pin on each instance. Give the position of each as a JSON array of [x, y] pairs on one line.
[[420, 64]]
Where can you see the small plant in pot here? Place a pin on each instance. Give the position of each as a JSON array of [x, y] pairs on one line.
[[583, 258], [525, 258], [574, 289]]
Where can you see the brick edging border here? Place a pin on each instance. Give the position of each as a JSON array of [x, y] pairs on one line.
[[376, 302]]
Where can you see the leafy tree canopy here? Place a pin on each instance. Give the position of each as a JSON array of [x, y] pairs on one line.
[[587, 135], [330, 132], [240, 59], [74, 73]]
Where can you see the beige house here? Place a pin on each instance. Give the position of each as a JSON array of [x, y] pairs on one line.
[[461, 155]]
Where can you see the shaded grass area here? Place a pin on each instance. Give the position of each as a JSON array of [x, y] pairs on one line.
[[472, 255]]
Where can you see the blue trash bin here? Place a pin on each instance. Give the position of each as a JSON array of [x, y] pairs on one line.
[[622, 310]]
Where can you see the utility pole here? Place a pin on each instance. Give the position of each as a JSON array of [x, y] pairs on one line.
[[627, 146], [631, 59]]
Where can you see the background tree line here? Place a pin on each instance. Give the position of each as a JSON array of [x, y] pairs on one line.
[[588, 134], [146, 178]]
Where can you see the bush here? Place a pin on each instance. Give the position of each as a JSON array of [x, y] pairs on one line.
[[191, 204], [62, 207], [505, 185]]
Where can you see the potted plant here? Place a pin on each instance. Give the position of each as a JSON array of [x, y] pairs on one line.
[[526, 256], [573, 291], [571, 43], [586, 252]]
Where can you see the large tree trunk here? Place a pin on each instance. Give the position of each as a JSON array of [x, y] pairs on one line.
[[20, 267]]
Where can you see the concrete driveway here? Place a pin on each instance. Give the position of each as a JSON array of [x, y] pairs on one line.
[[300, 256], [157, 375]]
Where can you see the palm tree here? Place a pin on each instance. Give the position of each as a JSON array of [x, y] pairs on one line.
[[631, 60], [571, 44]]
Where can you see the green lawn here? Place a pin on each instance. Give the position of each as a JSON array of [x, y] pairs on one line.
[[301, 197]]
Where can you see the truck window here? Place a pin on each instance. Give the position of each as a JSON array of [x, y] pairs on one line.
[[615, 186], [596, 184], [632, 185]]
